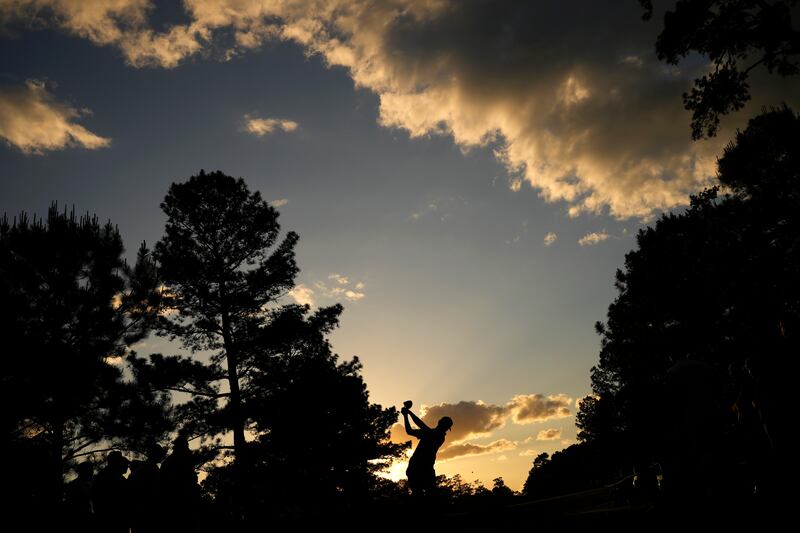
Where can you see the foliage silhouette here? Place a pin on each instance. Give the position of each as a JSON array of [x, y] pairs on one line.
[[71, 307], [707, 292], [220, 276], [737, 36], [579, 467], [319, 441]]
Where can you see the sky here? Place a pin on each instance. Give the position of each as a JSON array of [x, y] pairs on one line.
[[465, 177]]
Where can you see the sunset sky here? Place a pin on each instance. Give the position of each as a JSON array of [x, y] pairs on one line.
[[465, 177]]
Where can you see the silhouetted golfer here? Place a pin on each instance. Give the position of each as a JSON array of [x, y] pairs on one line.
[[420, 472]]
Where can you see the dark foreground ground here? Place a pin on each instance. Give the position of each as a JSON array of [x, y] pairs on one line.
[[597, 510], [600, 510]]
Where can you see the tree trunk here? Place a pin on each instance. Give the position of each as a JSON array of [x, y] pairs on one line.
[[237, 421], [236, 398]]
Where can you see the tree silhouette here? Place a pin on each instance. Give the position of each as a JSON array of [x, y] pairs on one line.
[[737, 36], [500, 490], [319, 441], [71, 307], [220, 273], [707, 291]]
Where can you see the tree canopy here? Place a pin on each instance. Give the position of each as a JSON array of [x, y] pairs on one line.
[[222, 267], [737, 36], [707, 307], [71, 308], [318, 440]]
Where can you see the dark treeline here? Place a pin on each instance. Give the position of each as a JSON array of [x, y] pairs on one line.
[[692, 406], [693, 393], [76, 398], [100, 437]]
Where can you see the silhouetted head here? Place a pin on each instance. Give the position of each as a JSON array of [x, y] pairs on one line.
[[117, 462], [180, 443], [445, 423], [155, 454]]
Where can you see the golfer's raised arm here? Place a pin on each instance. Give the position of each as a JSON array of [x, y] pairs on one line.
[[418, 421], [411, 431]]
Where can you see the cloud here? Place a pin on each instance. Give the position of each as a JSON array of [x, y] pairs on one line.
[[34, 123], [120, 23], [279, 203], [550, 238], [353, 296], [593, 238], [302, 294], [530, 408], [264, 126], [529, 453], [341, 280], [470, 418], [461, 450], [476, 419], [633, 61], [577, 106], [340, 290], [549, 434]]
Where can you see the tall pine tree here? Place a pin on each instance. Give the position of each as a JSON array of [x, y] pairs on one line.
[[222, 265]]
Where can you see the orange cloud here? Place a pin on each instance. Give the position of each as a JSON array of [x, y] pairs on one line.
[[33, 122], [470, 418], [476, 419], [265, 126], [549, 434], [461, 450], [593, 238], [302, 294], [530, 408]]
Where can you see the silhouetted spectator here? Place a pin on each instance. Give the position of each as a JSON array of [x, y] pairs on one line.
[[78, 506], [179, 483], [420, 472], [110, 495], [146, 493]]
